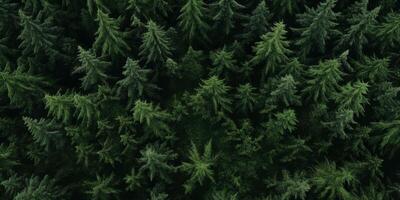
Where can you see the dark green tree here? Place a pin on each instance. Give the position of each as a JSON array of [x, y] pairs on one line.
[[192, 19], [109, 39], [102, 188], [273, 49], [200, 166], [353, 97], [318, 25], [286, 92], [93, 68], [156, 45], [225, 12], [388, 32], [257, 23]]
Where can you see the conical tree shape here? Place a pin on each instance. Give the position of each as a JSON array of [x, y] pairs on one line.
[[199, 167], [102, 188], [135, 83], [286, 92], [225, 12], [155, 161], [156, 46], [388, 32], [37, 36], [109, 39], [362, 23], [317, 27], [93, 67], [353, 97], [192, 19], [284, 7], [323, 80], [257, 24], [272, 50]]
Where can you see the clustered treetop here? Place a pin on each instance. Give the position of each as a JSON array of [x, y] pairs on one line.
[[199, 99]]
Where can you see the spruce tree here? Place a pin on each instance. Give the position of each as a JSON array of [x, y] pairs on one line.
[[136, 83], [257, 23], [353, 97], [361, 23], [200, 166], [109, 39], [37, 36], [388, 32], [246, 98], [192, 19], [156, 45], [318, 25], [284, 7], [102, 188], [273, 49], [286, 92], [93, 67], [323, 80], [225, 12]]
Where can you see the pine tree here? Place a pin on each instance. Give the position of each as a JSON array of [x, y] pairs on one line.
[[135, 83], [151, 117], [246, 98], [272, 50], [342, 121], [373, 69], [257, 24], [317, 27], [155, 160], [286, 92], [353, 97], [133, 180], [36, 188], [102, 188], [156, 44], [211, 97], [294, 68], [45, 133], [7, 160], [361, 22], [294, 186], [109, 39], [225, 12], [86, 109], [388, 32], [324, 80], [284, 7], [331, 182], [283, 122], [223, 62], [93, 67], [60, 106], [199, 167], [149, 8], [22, 88], [390, 135], [37, 36], [192, 19]]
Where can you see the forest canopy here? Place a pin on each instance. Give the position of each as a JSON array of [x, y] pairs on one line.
[[199, 99]]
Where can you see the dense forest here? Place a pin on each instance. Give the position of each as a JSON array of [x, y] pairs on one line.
[[199, 99]]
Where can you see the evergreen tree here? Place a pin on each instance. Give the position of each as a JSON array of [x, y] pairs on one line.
[[257, 23], [102, 188], [156, 45], [284, 7], [294, 186], [225, 12], [286, 92], [272, 50], [36, 188], [223, 62], [324, 80], [199, 167], [331, 182], [373, 69], [109, 39], [283, 122], [361, 23], [93, 67], [44, 132], [135, 83], [192, 19], [22, 88], [353, 97], [211, 97], [152, 117], [388, 32], [150, 8], [60, 106], [155, 160], [246, 98], [318, 25]]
